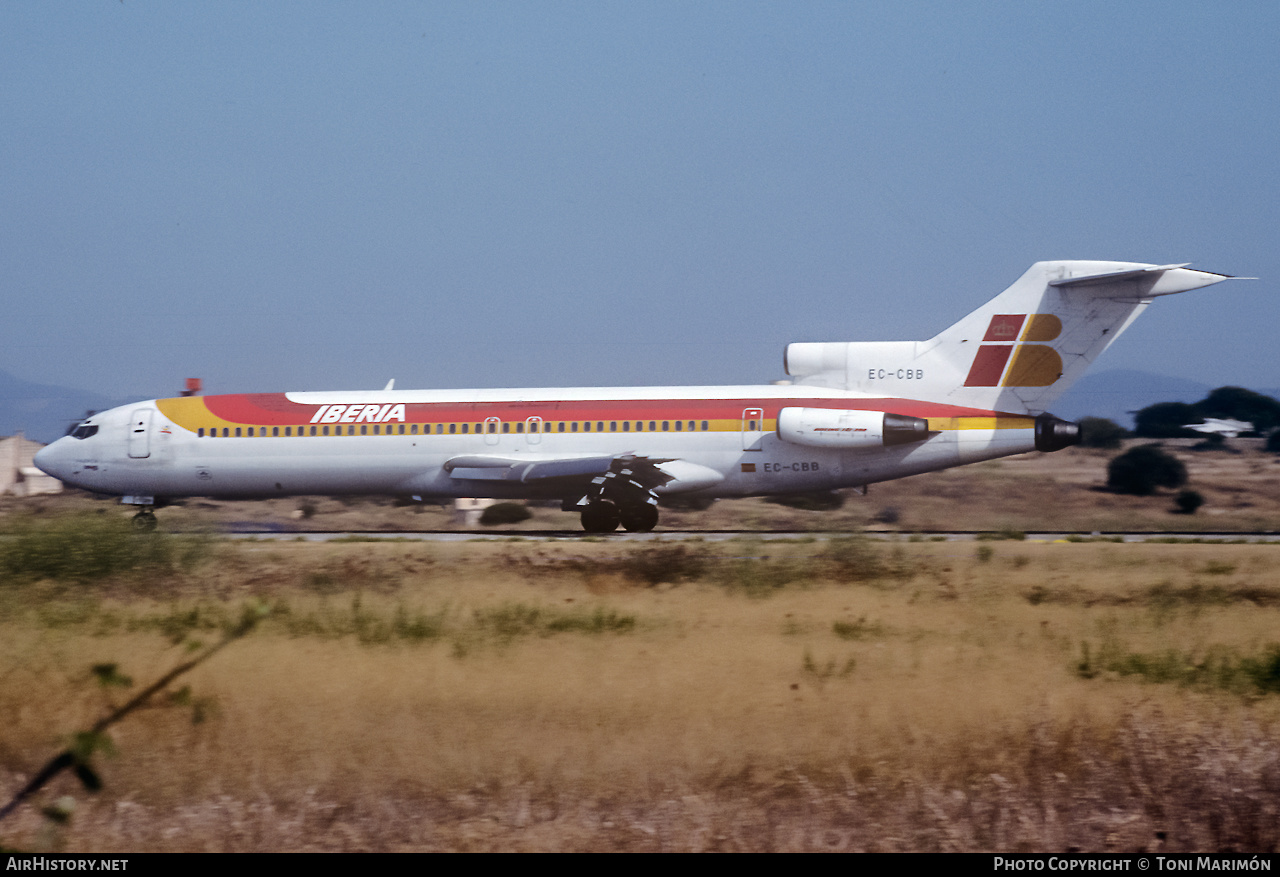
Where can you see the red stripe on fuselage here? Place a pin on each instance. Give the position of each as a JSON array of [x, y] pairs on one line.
[[275, 409]]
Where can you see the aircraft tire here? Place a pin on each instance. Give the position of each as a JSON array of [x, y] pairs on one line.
[[144, 522], [600, 517], [640, 518]]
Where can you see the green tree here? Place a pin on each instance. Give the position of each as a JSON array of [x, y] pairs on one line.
[[1099, 432], [1237, 403], [1165, 420], [1140, 471]]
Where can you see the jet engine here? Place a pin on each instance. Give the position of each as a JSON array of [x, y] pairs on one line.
[[847, 429], [1054, 433]]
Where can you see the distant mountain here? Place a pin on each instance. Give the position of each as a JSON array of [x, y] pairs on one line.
[[1113, 394], [41, 411]]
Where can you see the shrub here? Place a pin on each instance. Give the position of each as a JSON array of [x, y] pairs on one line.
[[1099, 432], [1214, 441], [887, 515], [505, 513], [822, 501], [1187, 501], [656, 564], [686, 503], [1139, 471]]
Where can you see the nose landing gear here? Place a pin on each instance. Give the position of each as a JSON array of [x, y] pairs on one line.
[[144, 521]]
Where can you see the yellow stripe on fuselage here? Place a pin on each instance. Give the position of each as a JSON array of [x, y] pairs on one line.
[[938, 424]]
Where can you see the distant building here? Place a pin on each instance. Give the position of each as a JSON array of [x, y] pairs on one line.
[[467, 511], [18, 473]]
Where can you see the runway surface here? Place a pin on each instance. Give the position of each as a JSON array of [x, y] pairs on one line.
[[729, 535]]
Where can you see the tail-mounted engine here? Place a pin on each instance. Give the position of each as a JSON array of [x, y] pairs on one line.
[[849, 430], [1054, 433]]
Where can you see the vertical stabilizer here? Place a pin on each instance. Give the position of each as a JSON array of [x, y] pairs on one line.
[[1018, 352]]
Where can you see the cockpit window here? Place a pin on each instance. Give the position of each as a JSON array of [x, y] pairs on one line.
[[84, 430]]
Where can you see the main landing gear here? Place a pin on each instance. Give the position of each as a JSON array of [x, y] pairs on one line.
[[604, 516], [626, 495]]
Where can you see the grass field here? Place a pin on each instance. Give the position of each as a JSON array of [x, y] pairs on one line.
[[852, 694]]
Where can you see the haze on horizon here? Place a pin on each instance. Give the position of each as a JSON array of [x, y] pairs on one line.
[[326, 196]]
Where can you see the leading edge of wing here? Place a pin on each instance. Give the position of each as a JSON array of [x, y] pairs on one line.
[[485, 467]]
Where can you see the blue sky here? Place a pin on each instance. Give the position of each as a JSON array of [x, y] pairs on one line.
[[326, 195]]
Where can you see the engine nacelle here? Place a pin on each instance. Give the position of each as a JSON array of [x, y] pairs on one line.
[[849, 429], [1054, 434]]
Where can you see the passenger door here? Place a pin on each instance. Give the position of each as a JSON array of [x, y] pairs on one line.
[[140, 434]]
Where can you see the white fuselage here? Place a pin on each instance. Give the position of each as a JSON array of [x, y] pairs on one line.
[[139, 450]]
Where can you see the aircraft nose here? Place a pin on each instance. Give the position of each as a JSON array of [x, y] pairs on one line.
[[49, 458]]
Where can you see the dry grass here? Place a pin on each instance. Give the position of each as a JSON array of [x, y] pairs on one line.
[[931, 703]]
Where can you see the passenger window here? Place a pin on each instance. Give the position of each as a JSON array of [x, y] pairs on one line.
[[613, 426], [275, 431], [415, 429], [313, 430], [704, 426], [506, 427], [453, 428], [626, 426], [519, 427], [466, 427], [573, 427], [351, 430], [561, 427], [679, 423], [533, 426], [250, 432], [586, 427], [651, 425], [666, 426], [199, 432], [326, 430]]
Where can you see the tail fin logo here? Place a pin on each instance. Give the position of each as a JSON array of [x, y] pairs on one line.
[[1028, 365]]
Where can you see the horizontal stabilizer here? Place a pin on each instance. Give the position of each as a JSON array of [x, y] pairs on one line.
[[1155, 279], [1113, 276]]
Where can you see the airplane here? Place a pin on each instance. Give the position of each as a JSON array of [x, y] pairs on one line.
[[856, 413], [1225, 427]]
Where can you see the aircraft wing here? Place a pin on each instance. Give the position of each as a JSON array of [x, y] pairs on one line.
[[485, 467], [657, 474]]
